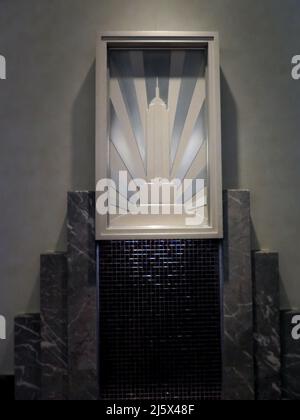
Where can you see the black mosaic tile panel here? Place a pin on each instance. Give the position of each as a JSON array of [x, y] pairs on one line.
[[160, 333]]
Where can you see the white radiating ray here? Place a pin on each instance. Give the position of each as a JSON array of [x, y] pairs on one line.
[[137, 64], [196, 105], [194, 147], [191, 193], [122, 146], [197, 201], [191, 188], [116, 167], [199, 163], [196, 208], [122, 134], [176, 70], [117, 164], [121, 69]]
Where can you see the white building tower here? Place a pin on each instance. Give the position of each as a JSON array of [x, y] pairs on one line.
[[158, 139]]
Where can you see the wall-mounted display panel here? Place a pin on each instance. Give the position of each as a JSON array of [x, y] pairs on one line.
[[158, 146]]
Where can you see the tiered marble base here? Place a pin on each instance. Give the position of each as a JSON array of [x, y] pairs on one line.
[[56, 355]]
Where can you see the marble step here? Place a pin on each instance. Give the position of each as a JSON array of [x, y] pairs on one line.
[[54, 344], [290, 356], [267, 349], [238, 363], [28, 357], [82, 297]]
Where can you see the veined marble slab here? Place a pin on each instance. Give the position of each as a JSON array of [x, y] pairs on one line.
[[267, 349], [28, 357], [82, 297], [238, 364], [54, 344]]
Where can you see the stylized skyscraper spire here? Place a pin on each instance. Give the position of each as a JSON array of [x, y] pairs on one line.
[[158, 138], [157, 89]]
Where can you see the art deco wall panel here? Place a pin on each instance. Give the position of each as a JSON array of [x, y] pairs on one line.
[[158, 136]]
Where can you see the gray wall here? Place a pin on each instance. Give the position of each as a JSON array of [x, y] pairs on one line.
[[47, 122]]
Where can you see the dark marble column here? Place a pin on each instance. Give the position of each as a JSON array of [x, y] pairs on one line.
[[238, 374], [54, 354], [82, 297], [27, 357], [290, 357], [267, 348]]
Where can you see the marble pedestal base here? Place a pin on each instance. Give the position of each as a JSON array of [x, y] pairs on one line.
[[238, 368], [54, 354], [267, 350]]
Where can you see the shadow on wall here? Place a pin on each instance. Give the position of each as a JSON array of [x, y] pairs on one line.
[[83, 135], [254, 238], [61, 244], [229, 136], [287, 305], [256, 247], [83, 144]]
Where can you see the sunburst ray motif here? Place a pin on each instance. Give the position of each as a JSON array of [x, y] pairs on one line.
[[158, 118]]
